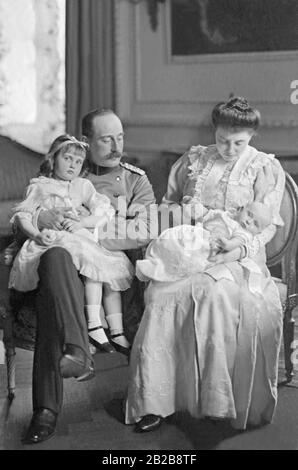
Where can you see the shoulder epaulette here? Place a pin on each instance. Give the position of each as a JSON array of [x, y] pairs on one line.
[[132, 168]]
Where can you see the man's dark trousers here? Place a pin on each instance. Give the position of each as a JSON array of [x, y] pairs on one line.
[[60, 321]]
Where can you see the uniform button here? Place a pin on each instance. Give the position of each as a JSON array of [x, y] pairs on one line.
[[118, 178]]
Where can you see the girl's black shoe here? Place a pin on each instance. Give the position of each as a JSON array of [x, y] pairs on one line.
[[105, 347], [118, 347]]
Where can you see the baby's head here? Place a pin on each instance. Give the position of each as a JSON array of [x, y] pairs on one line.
[[255, 217], [65, 158]]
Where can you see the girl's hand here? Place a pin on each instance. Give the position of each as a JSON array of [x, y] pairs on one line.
[[53, 218], [71, 225], [45, 238]]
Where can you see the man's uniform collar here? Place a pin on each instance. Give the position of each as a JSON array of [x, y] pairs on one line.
[[102, 170]]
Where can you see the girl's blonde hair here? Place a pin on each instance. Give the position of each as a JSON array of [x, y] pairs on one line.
[[64, 142]]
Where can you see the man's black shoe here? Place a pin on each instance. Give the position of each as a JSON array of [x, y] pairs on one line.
[[42, 426], [148, 423], [74, 363]]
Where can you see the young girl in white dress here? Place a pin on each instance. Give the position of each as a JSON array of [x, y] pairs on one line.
[[59, 185], [185, 250]]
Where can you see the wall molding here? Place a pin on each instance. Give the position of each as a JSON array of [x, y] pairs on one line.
[[144, 107], [191, 122]]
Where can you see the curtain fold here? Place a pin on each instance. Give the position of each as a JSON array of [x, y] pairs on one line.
[[32, 62], [89, 59]]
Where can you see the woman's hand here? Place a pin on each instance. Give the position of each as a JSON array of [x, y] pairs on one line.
[[220, 244], [214, 244], [224, 244], [226, 257], [217, 259]]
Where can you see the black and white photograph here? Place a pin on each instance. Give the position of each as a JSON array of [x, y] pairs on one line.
[[148, 228]]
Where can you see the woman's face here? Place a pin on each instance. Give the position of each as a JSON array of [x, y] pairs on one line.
[[232, 142]]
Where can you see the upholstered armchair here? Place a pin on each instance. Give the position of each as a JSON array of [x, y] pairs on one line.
[[17, 165], [282, 253]]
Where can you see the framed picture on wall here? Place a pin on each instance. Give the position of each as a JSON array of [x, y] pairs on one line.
[[201, 27]]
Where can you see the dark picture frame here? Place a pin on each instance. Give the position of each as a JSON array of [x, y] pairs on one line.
[[200, 27]]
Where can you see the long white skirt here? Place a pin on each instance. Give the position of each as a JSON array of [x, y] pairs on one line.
[[208, 347]]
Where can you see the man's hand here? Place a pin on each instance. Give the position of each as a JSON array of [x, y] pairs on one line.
[[10, 253], [53, 218]]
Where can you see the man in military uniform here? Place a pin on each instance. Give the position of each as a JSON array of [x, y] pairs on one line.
[[62, 346]]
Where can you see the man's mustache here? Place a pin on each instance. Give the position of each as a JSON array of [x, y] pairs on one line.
[[114, 155]]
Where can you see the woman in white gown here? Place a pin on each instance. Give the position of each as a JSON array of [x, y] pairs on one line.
[[206, 344]]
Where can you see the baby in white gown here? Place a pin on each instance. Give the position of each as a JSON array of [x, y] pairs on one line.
[[185, 250], [59, 185]]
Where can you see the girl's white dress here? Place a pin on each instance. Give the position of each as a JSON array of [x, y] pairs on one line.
[[205, 343], [89, 258]]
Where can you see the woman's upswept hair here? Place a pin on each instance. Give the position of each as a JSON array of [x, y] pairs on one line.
[[236, 112], [64, 142]]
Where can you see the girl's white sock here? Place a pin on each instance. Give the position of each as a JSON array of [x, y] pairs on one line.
[[115, 322], [94, 323]]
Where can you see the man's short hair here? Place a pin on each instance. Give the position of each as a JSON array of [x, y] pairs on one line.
[[87, 121]]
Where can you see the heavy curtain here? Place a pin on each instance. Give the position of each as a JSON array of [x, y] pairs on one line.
[[32, 71], [89, 59]]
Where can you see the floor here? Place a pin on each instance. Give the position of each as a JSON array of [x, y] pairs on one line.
[[92, 417]]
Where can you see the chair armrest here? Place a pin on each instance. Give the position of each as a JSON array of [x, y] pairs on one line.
[[8, 254], [5, 307], [292, 301]]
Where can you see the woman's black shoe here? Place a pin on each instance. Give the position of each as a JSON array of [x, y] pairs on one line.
[[42, 426], [148, 423]]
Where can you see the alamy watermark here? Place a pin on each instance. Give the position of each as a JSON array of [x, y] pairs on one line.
[[147, 222], [294, 94]]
